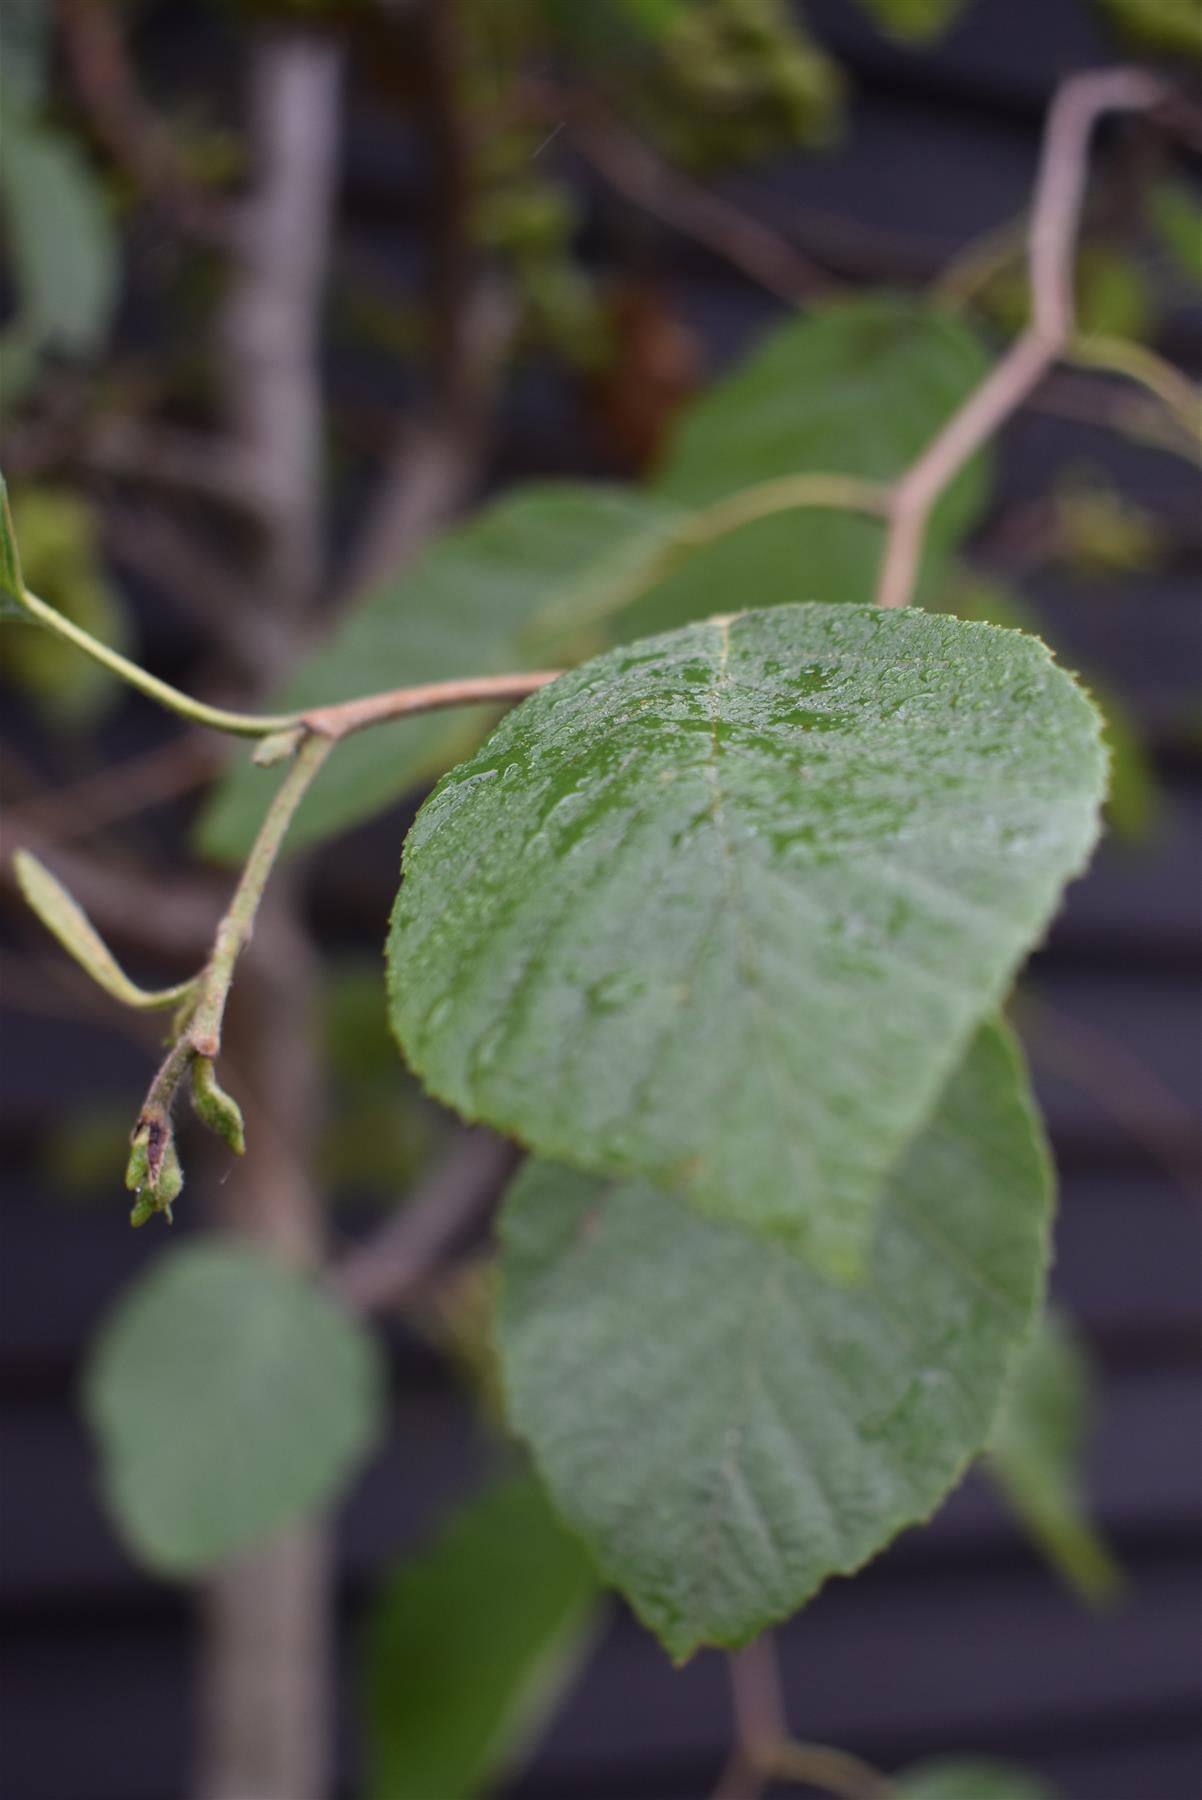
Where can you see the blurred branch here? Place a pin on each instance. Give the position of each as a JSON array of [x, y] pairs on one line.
[[740, 239], [435, 464], [385, 1270], [119, 790], [266, 1651], [1059, 193], [764, 1752], [270, 364], [180, 564], [138, 141]]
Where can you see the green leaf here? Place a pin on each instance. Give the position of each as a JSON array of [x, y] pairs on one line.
[[971, 1781], [465, 609], [63, 565], [722, 910], [857, 389], [12, 584], [66, 920], [914, 21], [228, 1398], [24, 40], [725, 1429], [1035, 1452], [1174, 26], [1176, 216], [472, 1645], [1134, 804], [64, 250]]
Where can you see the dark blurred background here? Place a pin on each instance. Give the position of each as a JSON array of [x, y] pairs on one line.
[[959, 1637]]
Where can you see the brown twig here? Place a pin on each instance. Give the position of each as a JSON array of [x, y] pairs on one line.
[[434, 465], [1059, 192], [396, 1260], [341, 720], [272, 316], [112, 794], [134, 137], [732, 233], [764, 1750], [267, 1647]]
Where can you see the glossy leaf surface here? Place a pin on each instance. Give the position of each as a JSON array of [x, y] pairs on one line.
[[229, 1398], [727, 1430], [723, 910], [472, 1643]]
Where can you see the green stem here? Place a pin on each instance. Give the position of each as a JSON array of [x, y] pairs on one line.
[[696, 531], [204, 1030], [238, 724], [1119, 356], [840, 492], [819, 1765]]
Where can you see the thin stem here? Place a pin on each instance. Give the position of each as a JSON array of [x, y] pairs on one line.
[[840, 492], [834, 1771], [236, 723], [764, 1750], [1119, 356], [1059, 193], [204, 1031], [335, 722], [696, 531]]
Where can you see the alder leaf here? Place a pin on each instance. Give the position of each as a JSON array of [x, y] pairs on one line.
[[971, 1781], [464, 610], [228, 1399], [722, 910], [858, 388], [725, 1429], [1034, 1456], [472, 1643]]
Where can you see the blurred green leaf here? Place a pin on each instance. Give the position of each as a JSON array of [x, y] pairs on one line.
[[472, 1644], [1133, 804], [24, 42], [61, 563], [61, 238], [915, 21], [857, 388], [1175, 213], [654, 17], [725, 1429], [1099, 531], [970, 1781], [1174, 26], [469, 607], [1113, 296], [1035, 1452], [12, 583], [228, 1398]]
